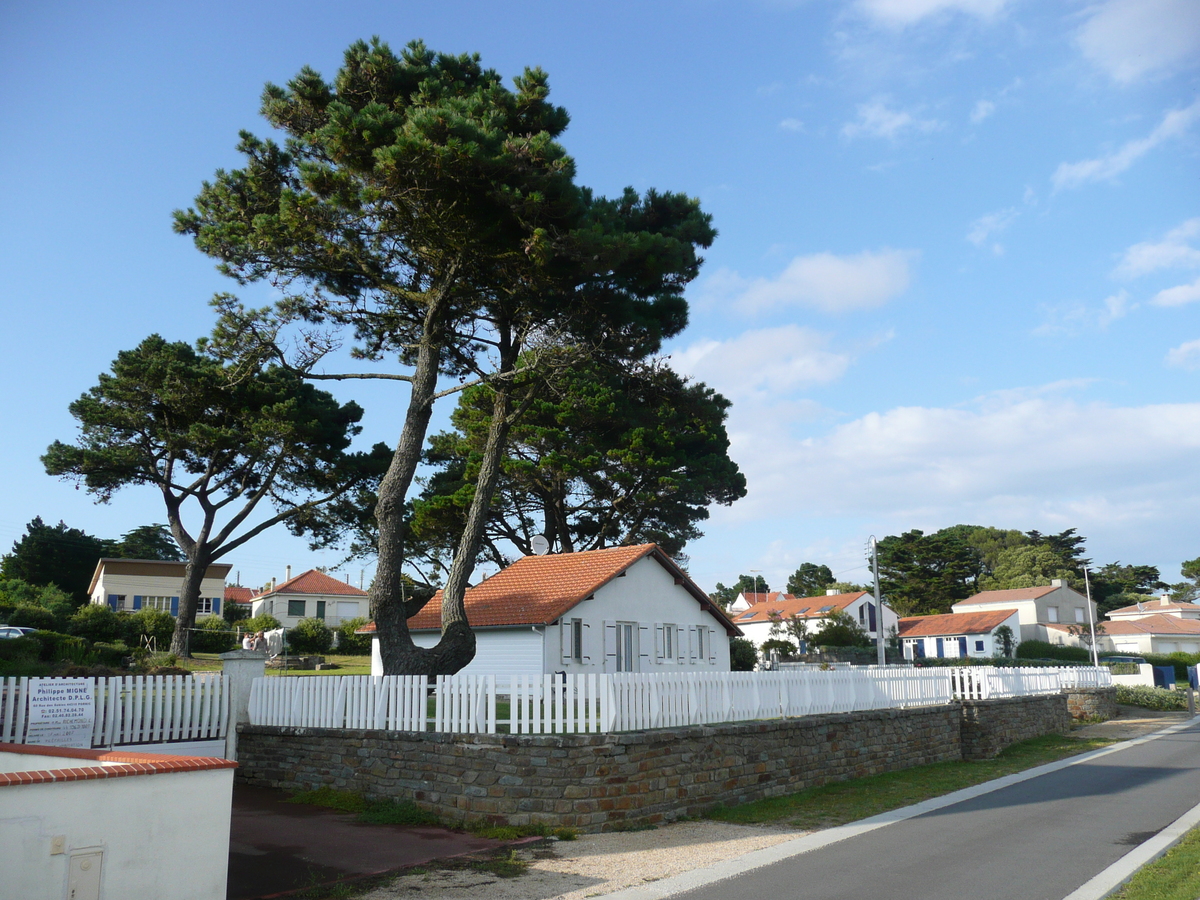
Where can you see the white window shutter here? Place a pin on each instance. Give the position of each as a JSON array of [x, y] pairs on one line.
[[610, 646], [691, 643], [680, 645], [586, 642], [659, 643], [644, 639], [564, 638], [712, 647]]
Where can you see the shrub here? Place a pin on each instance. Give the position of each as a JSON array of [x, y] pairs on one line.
[[1044, 650], [153, 625], [310, 636], [234, 612], [1151, 698], [16, 592], [29, 616], [112, 655], [262, 622], [350, 643], [213, 635], [742, 655], [55, 647], [97, 622], [783, 648]]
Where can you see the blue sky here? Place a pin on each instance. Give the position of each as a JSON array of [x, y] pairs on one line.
[[957, 278]]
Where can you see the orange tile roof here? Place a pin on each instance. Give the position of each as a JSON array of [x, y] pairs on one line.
[[537, 590], [753, 599], [804, 607], [235, 593], [1011, 595], [314, 582], [1153, 606], [953, 623], [1155, 624]]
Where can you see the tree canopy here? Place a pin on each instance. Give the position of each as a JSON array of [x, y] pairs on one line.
[[223, 441], [55, 554], [810, 580], [427, 213], [746, 584], [608, 456]]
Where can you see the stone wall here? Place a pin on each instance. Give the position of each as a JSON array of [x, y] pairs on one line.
[[988, 726], [596, 782], [1092, 703]]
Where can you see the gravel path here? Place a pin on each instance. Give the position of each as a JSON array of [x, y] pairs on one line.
[[595, 864]]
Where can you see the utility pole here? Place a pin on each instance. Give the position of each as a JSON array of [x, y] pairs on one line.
[[1091, 618], [882, 653]]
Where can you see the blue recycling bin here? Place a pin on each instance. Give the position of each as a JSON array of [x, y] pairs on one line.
[[1193, 678], [1164, 677]]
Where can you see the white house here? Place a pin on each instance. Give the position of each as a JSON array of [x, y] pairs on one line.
[[622, 609], [312, 595], [1156, 606], [758, 618], [127, 585], [747, 599], [958, 635], [1037, 607]]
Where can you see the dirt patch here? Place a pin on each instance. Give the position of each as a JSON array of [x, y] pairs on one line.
[[1131, 722]]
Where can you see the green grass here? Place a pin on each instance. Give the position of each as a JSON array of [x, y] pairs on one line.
[[1174, 877], [848, 801], [369, 812]]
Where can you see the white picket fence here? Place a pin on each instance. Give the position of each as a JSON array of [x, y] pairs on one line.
[[134, 709], [556, 704], [992, 682]]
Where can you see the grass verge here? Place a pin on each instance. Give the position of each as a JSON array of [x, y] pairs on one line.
[[848, 801], [1174, 877]]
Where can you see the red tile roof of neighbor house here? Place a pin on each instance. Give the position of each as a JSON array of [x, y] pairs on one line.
[[1155, 624], [1011, 595], [1152, 607], [804, 607], [314, 582], [953, 623], [754, 599], [537, 590], [235, 593]]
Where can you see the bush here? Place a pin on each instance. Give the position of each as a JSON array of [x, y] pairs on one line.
[[234, 612], [1151, 698], [259, 623], [1044, 650], [213, 635], [310, 636], [56, 648], [353, 644], [783, 648], [742, 655], [154, 625], [97, 622], [29, 616], [112, 655], [1180, 661], [15, 592]]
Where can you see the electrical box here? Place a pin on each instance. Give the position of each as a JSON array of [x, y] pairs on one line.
[[83, 875]]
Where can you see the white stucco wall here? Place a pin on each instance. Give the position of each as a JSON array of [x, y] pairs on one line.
[[277, 606], [163, 835], [1033, 612], [131, 586]]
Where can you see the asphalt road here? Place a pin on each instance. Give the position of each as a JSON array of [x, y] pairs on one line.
[[1036, 840]]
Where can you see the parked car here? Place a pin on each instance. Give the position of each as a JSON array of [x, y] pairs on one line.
[[14, 631]]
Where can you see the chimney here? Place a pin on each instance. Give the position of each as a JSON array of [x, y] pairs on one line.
[[831, 592], [1058, 582], [287, 574], [1164, 600]]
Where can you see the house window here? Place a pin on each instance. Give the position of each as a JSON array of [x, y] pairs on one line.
[[862, 615], [979, 646], [625, 654], [668, 641], [701, 641], [577, 640], [204, 606], [163, 603], [1079, 614], [321, 609], [296, 608], [1051, 613], [121, 604]]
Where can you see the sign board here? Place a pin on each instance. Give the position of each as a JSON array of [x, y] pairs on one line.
[[62, 712]]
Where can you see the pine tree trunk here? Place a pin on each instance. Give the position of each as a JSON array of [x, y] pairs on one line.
[[185, 620]]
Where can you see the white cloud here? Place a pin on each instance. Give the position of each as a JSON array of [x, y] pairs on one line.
[[1173, 251], [1185, 356], [764, 365], [983, 109], [993, 223], [875, 119], [899, 13], [1018, 455], [1115, 307], [1072, 318], [1130, 39], [1178, 296], [822, 281], [1174, 123], [791, 125]]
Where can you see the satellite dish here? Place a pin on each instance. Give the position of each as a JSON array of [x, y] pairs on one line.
[[540, 545]]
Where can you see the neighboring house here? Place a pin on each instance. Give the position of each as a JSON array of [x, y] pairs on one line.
[[622, 609], [957, 635], [312, 595], [127, 585], [757, 620], [747, 599], [1156, 606], [241, 596], [1037, 607], [1151, 633]]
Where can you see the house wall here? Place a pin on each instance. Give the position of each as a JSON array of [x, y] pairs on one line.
[[140, 586], [760, 632], [598, 782], [277, 606], [1066, 600], [498, 651], [992, 646], [152, 846]]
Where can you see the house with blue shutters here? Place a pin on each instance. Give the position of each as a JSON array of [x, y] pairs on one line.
[[128, 585]]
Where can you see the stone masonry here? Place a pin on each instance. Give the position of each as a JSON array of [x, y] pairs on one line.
[[598, 782], [1092, 703]]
